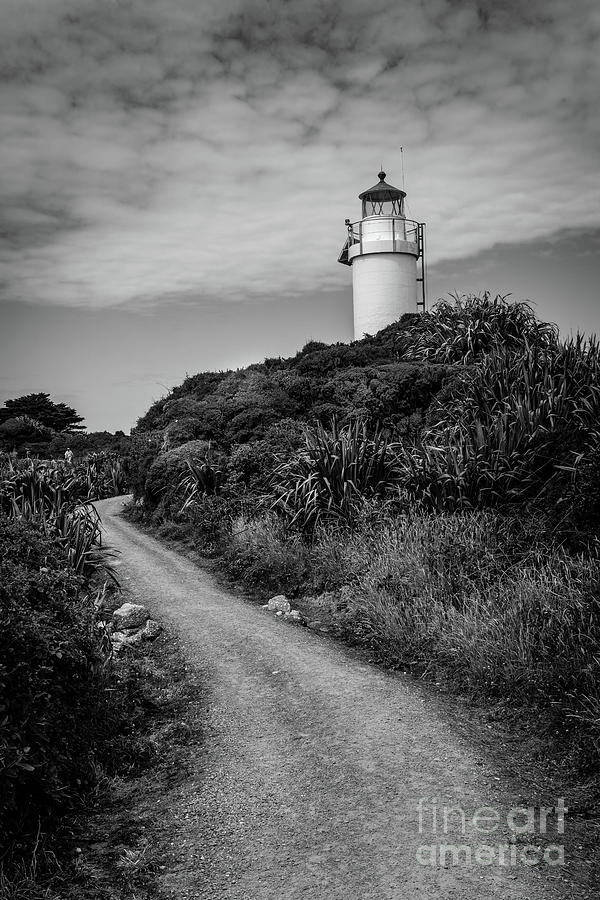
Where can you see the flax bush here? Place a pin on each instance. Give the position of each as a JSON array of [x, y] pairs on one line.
[[49, 496], [176, 476], [511, 425], [333, 474], [469, 327], [202, 478]]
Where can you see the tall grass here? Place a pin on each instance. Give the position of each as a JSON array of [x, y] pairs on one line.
[[467, 599], [265, 555], [448, 595]]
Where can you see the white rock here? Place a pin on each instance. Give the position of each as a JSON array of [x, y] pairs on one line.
[[122, 639], [294, 615], [280, 603], [130, 637], [130, 615], [151, 630]]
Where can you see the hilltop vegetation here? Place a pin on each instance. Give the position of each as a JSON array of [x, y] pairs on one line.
[[432, 492], [369, 379]]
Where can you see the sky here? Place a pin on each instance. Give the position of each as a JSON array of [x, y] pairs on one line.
[[176, 175]]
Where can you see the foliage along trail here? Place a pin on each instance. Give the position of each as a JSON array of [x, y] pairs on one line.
[[314, 761]]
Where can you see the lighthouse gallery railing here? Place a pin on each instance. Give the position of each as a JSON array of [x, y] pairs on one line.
[[401, 232], [395, 229]]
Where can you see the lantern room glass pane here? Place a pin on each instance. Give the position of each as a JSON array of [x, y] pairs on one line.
[[374, 207]]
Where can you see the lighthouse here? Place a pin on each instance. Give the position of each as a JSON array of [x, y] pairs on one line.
[[385, 251]]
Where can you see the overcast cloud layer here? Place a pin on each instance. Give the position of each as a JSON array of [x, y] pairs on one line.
[[160, 149]]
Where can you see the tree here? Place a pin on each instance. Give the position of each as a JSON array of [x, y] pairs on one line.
[[40, 408]]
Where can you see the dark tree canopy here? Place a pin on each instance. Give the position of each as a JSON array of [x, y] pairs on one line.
[[39, 407]]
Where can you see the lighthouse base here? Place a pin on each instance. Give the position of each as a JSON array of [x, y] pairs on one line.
[[384, 287]]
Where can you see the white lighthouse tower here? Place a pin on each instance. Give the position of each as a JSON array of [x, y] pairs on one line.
[[385, 250]]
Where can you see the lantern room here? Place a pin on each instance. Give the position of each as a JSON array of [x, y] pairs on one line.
[[382, 199]]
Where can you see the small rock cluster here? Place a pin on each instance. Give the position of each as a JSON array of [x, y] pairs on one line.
[[281, 606], [131, 624]]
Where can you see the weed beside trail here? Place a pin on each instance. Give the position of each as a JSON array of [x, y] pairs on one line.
[[464, 599]]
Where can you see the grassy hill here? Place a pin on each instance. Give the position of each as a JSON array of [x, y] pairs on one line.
[[432, 491]]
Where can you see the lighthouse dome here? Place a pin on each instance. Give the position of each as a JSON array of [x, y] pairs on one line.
[[382, 199]]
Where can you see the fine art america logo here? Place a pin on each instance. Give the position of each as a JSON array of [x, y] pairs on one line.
[[488, 837]]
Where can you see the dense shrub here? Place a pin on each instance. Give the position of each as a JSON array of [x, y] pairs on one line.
[[399, 390], [250, 466], [90, 442], [164, 490], [141, 454], [51, 663], [195, 387], [180, 431], [182, 408], [364, 379], [27, 435], [21, 430], [209, 523]]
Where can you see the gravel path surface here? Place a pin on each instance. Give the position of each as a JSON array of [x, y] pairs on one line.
[[315, 762]]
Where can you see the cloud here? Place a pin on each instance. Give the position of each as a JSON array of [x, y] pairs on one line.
[[194, 149]]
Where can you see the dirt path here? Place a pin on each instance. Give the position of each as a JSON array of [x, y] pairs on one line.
[[315, 762]]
